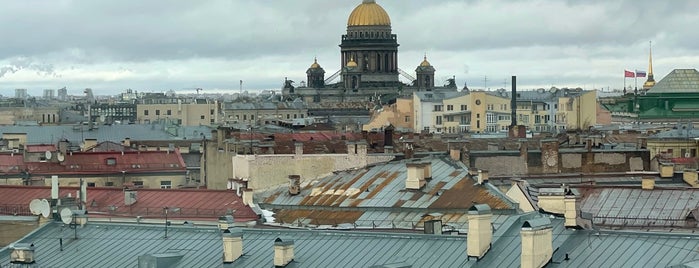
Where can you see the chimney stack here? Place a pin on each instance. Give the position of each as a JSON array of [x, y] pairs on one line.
[[571, 210], [537, 243], [480, 230], [247, 196], [232, 245], [351, 148], [647, 182], [83, 192], [482, 176], [294, 184], [54, 187], [225, 222], [667, 170], [283, 252], [415, 176], [298, 148], [130, 197]]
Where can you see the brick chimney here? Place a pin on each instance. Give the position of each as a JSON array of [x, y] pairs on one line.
[[283, 252], [537, 243], [415, 176], [232, 245], [480, 231], [482, 176]]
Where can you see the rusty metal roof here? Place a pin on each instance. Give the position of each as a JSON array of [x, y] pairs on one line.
[[109, 202], [377, 195]]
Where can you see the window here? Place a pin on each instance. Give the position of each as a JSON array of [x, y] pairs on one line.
[[211, 112], [202, 117], [252, 117], [245, 117], [157, 112], [168, 112], [438, 120], [111, 161], [450, 107], [426, 129], [465, 120], [490, 118], [145, 112], [537, 119], [165, 184], [90, 184], [138, 183], [490, 107], [288, 116], [464, 107], [407, 118], [438, 108], [109, 184]]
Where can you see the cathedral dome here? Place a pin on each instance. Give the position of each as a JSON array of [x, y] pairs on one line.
[[315, 64], [369, 13], [425, 63]]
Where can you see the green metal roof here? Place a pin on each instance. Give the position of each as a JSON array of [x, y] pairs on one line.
[[678, 81]]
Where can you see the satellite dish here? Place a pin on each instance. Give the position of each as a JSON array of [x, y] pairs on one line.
[[66, 215], [60, 157], [45, 208], [47, 154], [35, 206]]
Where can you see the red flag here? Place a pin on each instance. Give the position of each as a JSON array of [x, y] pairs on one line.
[[629, 74]]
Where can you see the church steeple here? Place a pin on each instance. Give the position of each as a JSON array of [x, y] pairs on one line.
[[650, 82]]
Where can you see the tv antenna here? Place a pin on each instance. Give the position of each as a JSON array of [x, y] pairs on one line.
[[60, 157], [66, 215], [48, 155]]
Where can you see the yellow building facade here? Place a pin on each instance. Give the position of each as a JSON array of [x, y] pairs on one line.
[[184, 114]]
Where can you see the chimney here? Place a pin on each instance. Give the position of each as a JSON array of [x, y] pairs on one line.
[[83, 192], [225, 222], [126, 142], [537, 243], [388, 149], [89, 143], [247, 196], [298, 148], [455, 154], [427, 168], [80, 217], [294, 184], [667, 170], [523, 149], [482, 176], [571, 210], [130, 197], [513, 102], [480, 230], [361, 148], [690, 177], [232, 245], [54, 187], [415, 176], [283, 252], [351, 148], [647, 182], [22, 253]]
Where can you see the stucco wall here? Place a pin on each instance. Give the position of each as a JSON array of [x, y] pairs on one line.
[[501, 165]]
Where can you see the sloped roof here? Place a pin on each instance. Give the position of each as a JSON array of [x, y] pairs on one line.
[[638, 208], [377, 195], [678, 81], [115, 133], [193, 203], [96, 163]]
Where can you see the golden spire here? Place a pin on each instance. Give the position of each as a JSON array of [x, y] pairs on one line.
[[650, 57], [650, 82]]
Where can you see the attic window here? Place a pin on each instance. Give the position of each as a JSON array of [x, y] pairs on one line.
[[111, 161]]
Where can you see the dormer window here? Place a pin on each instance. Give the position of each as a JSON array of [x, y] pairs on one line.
[[111, 161]]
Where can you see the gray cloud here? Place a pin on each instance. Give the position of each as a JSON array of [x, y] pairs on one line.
[[177, 44]]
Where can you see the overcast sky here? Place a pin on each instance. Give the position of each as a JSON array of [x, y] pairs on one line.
[[156, 46]]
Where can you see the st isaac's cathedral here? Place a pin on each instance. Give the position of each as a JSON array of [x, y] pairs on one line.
[[369, 65]]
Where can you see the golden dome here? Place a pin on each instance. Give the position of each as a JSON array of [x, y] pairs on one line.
[[425, 63], [351, 63], [315, 64], [367, 14]]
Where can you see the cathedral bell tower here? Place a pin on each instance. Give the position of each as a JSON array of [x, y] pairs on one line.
[[425, 76], [315, 75]]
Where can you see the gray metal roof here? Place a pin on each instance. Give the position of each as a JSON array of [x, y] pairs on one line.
[[119, 245], [626, 249], [114, 133], [634, 207], [678, 81], [681, 131]]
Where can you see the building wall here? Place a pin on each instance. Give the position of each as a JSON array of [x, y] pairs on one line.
[[400, 115], [188, 114], [673, 148], [262, 116], [265, 171], [149, 180], [44, 116]]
